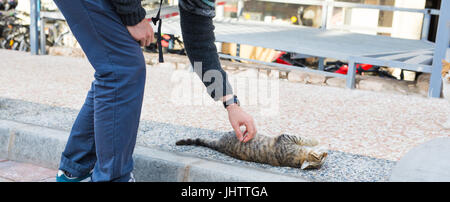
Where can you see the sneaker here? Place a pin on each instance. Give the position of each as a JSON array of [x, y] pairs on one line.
[[62, 177], [132, 178]]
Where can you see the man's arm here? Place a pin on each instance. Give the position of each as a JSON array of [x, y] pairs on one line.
[[130, 11], [198, 35], [198, 38]]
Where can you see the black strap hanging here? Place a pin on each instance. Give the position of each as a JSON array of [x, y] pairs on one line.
[[158, 20]]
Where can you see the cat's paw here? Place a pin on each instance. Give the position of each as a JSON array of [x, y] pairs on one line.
[[311, 142]]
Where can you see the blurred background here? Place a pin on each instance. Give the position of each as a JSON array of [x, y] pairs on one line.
[[366, 18]]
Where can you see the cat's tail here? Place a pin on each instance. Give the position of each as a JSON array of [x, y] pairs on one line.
[[198, 142]]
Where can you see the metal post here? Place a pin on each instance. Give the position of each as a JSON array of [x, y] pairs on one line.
[[324, 14], [321, 64], [34, 42], [351, 73], [325, 10], [238, 51], [43, 37], [442, 44], [426, 25], [240, 8]]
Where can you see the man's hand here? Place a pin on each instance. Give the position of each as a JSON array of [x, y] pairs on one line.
[[142, 32], [238, 118]]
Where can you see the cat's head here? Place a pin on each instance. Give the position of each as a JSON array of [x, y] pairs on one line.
[[315, 158]]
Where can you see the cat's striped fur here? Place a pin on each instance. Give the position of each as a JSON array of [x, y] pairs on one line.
[[283, 150]]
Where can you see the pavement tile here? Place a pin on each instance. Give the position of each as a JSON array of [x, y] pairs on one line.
[[24, 172], [50, 179], [5, 180], [379, 125]]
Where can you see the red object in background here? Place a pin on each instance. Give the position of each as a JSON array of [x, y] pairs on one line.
[[344, 68], [165, 41], [279, 60]]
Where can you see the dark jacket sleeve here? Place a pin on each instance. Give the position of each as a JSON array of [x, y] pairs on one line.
[[198, 39], [130, 11]]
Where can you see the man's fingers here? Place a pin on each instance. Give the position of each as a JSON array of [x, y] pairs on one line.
[[149, 40], [152, 38], [250, 126], [238, 131], [245, 136], [142, 41]]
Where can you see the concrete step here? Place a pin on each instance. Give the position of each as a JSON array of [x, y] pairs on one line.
[[43, 146]]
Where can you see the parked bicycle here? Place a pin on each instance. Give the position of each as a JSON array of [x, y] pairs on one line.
[[8, 4], [15, 34]]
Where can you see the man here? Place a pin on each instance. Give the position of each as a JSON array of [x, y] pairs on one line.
[[110, 32]]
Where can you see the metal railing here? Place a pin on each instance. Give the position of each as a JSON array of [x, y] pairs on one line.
[[439, 53], [327, 6]]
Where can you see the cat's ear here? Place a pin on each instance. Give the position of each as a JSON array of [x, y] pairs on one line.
[[444, 62]]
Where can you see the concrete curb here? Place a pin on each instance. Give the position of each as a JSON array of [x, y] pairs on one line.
[[43, 146], [427, 162]]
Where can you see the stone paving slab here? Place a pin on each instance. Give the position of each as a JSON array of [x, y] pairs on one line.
[[366, 132], [379, 125], [156, 165], [42, 139], [150, 164], [428, 162], [11, 171], [5, 180]]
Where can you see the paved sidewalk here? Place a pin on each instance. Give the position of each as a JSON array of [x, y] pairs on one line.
[[12, 171], [366, 132], [378, 125]]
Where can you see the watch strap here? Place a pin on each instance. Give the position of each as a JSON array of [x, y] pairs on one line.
[[231, 101]]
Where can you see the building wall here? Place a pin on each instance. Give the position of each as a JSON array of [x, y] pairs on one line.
[[406, 24]]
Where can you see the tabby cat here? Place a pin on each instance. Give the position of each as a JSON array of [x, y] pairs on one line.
[[283, 150]]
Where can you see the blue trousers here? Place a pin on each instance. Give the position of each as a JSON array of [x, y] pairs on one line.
[[104, 133]]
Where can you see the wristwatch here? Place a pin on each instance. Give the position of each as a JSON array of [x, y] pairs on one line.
[[231, 101]]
